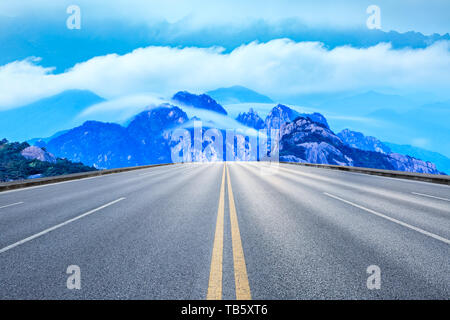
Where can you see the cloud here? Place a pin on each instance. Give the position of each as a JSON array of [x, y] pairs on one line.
[[402, 15], [420, 142], [22, 76], [121, 109], [209, 119], [347, 119], [279, 68]]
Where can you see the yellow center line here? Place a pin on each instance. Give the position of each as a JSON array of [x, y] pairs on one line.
[[240, 269], [215, 275]]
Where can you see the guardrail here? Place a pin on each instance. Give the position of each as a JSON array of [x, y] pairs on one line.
[[74, 176], [434, 178]]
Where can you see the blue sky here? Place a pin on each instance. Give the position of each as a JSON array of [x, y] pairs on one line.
[[161, 47], [126, 50], [400, 15], [38, 27]]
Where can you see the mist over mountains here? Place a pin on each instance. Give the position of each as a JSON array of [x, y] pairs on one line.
[[47, 116], [238, 94], [96, 41], [147, 137]]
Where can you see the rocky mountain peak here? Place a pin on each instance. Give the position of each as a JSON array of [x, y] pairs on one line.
[[359, 141], [251, 119], [202, 101], [158, 119], [34, 152], [279, 116]]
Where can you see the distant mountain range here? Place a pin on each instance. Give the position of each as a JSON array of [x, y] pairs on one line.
[[420, 119], [428, 122], [359, 141], [45, 117], [405, 154], [109, 145], [67, 51], [148, 139], [237, 94], [304, 140], [279, 115], [442, 162], [367, 102], [401, 119]]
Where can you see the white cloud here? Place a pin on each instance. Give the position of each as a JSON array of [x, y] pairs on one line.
[[402, 15], [279, 68], [213, 119], [420, 142], [121, 109]]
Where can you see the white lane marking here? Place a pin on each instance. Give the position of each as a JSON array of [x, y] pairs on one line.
[[429, 196], [366, 188], [12, 204], [432, 235], [57, 226]]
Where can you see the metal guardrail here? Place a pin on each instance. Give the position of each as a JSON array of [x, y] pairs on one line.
[[434, 178], [75, 176]]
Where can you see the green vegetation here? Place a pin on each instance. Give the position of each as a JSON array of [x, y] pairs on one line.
[[13, 166]]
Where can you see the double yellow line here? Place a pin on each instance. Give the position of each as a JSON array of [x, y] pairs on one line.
[[240, 269]]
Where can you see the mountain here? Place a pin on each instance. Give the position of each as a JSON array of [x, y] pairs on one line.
[[150, 138], [20, 161], [304, 140], [410, 164], [428, 123], [359, 141], [42, 142], [282, 114], [33, 152], [316, 117], [59, 48], [151, 131], [364, 103], [45, 117], [367, 143], [427, 115], [237, 94], [251, 119], [109, 145], [201, 101], [279, 116], [441, 161], [102, 145]]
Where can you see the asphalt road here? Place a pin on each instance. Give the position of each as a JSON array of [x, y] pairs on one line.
[[243, 230]]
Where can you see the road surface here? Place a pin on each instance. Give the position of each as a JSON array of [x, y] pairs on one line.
[[227, 231]]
